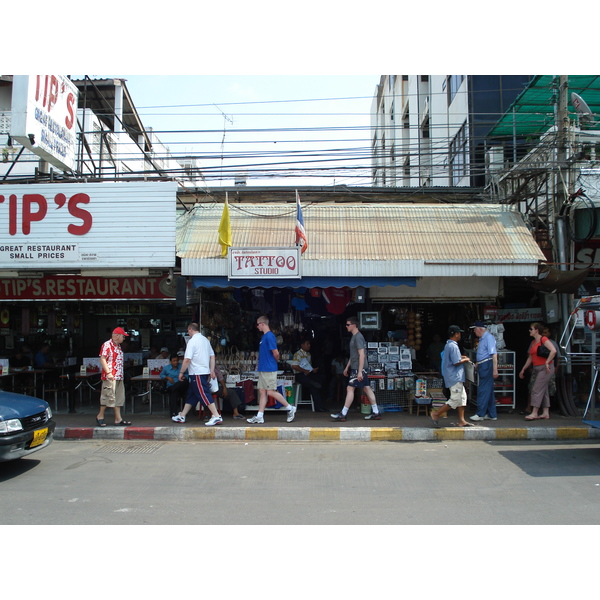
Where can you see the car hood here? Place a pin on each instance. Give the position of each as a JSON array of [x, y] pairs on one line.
[[15, 406]]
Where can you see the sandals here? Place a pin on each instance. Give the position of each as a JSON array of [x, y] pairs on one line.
[[123, 424], [100, 422]]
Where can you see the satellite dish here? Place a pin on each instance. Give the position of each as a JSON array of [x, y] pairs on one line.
[[586, 118]]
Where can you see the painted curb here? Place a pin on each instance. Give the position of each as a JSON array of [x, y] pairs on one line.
[[326, 434]]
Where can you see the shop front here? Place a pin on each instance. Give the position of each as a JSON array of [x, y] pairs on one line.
[[77, 260], [407, 271]]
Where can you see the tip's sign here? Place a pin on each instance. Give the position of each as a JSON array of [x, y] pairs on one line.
[[44, 109]]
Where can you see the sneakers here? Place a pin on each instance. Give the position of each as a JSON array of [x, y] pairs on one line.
[[476, 418], [339, 417], [291, 414], [214, 421], [256, 419], [374, 417], [178, 419], [488, 418]]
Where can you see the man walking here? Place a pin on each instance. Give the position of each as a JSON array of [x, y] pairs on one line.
[[268, 355], [356, 369], [453, 373], [199, 362], [487, 367], [113, 387]]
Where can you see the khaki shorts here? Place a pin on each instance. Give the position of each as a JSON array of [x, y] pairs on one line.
[[113, 393], [267, 380], [458, 395]]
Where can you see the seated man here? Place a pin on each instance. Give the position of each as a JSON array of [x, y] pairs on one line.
[[176, 390], [229, 397], [42, 359], [307, 376]]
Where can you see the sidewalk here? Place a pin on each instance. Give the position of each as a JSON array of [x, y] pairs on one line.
[[319, 427]]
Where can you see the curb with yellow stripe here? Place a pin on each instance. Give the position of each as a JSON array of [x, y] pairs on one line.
[[326, 434]]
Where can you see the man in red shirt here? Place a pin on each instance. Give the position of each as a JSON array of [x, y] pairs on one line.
[[113, 387]]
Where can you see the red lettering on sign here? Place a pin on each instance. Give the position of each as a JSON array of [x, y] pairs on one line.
[[53, 97], [12, 214], [79, 213], [28, 215], [71, 118]]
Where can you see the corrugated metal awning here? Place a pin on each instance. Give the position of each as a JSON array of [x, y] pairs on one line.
[[373, 240]]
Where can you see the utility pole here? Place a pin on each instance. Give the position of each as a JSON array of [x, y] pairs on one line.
[[561, 189]]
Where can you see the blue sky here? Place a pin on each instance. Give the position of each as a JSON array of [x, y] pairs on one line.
[[212, 109]]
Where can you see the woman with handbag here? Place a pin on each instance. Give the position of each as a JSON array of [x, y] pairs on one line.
[[541, 355]]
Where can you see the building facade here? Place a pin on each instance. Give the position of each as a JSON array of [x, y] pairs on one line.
[[429, 130]]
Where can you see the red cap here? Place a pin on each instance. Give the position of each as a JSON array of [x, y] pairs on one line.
[[120, 331]]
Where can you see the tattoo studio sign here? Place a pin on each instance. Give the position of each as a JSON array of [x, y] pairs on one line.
[[264, 263]]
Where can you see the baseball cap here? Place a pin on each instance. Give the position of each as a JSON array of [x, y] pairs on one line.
[[181, 353], [163, 349], [454, 329], [120, 331], [478, 324]]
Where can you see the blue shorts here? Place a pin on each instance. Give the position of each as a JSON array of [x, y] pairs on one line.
[[199, 390], [353, 381]]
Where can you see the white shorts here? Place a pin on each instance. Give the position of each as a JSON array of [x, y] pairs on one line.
[[458, 395]]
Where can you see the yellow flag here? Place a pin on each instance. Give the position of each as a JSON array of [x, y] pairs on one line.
[[225, 229]]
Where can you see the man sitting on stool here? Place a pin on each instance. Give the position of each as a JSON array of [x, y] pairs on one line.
[[176, 389], [229, 397], [307, 376]]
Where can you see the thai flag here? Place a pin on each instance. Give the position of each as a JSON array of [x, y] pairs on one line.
[[300, 232]]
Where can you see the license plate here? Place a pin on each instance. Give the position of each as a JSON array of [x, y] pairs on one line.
[[39, 437]]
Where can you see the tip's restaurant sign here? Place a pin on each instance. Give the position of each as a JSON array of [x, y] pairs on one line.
[[44, 117], [62, 287], [89, 225]]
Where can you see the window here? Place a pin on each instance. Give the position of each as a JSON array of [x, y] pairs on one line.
[[458, 158], [425, 128], [453, 82]]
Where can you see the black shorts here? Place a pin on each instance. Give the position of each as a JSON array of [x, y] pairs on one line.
[[355, 382]]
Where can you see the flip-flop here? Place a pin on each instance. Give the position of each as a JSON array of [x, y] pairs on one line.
[[467, 424], [100, 422], [531, 418], [123, 424], [435, 423]]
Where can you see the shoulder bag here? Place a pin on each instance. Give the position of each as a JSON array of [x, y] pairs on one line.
[[542, 351]]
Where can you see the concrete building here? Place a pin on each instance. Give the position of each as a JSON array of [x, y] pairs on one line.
[[429, 130]]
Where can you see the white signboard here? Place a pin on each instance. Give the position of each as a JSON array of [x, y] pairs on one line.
[[93, 225], [44, 109], [264, 263], [519, 315]]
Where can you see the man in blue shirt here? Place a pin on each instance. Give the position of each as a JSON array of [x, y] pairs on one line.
[[268, 355], [176, 390], [453, 373], [487, 368]]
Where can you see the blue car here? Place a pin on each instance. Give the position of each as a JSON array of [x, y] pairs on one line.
[[26, 425]]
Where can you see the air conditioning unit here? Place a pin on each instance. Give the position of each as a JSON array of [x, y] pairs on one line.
[[494, 163]]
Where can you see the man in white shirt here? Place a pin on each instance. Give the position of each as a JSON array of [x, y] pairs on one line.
[[199, 362]]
